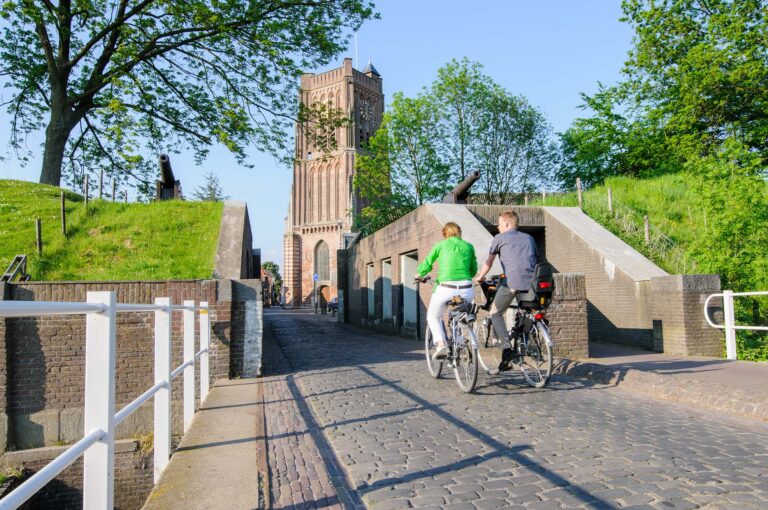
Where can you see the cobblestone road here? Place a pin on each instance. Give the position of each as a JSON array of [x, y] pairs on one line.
[[405, 440]]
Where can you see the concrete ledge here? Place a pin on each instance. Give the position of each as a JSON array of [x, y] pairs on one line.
[[697, 392], [48, 453]]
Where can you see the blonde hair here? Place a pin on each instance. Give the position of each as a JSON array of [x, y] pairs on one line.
[[451, 229], [511, 217]]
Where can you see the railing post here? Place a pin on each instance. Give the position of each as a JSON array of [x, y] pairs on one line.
[[189, 372], [162, 432], [205, 345], [99, 461], [610, 201], [578, 191], [730, 322]]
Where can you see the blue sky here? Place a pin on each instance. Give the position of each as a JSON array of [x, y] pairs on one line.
[[549, 51]]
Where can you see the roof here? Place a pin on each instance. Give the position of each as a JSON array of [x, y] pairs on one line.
[[370, 69]]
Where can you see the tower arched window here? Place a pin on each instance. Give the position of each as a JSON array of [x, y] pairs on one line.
[[322, 262]]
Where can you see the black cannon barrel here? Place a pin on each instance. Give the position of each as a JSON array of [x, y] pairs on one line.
[[459, 194], [166, 173]]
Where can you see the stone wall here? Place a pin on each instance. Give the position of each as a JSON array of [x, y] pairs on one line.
[[234, 251], [42, 371], [133, 477]]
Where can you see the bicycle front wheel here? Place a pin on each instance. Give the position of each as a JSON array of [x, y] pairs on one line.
[[488, 346], [536, 363], [466, 360], [434, 366]]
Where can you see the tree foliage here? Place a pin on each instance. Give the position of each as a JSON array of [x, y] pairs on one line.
[[112, 81], [463, 122], [401, 168], [211, 190], [517, 152], [696, 78], [460, 93], [275, 270]]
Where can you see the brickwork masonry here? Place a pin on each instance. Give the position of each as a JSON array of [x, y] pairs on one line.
[[42, 371], [133, 476]]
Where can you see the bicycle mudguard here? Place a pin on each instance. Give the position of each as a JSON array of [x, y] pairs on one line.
[[547, 337]]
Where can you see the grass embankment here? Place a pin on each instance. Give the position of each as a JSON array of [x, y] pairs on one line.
[[677, 221], [674, 213], [109, 241]]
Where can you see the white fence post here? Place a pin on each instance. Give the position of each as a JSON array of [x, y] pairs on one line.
[[730, 322], [99, 461], [163, 396], [205, 345], [189, 371]]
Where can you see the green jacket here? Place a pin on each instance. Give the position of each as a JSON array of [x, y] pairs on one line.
[[456, 259]]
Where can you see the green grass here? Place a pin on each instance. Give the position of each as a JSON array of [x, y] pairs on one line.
[[109, 241], [677, 219], [674, 213]]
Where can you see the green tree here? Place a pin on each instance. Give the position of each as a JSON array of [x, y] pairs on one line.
[[278, 283], [699, 71], [484, 127], [373, 183], [516, 152], [734, 198], [401, 168], [211, 191], [460, 93], [110, 81], [697, 76]]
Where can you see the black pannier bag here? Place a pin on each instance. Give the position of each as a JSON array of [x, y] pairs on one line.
[[542, 288], [544, 283]]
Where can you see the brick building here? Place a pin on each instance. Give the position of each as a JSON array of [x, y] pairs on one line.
[[323, 202]]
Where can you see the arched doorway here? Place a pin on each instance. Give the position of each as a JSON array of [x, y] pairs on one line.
[[323, 298]]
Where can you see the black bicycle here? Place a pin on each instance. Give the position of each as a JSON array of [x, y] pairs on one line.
[[531, 341], [462, 344]]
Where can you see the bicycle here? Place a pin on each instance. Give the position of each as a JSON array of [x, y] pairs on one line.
[[532, 342], [462, 344]]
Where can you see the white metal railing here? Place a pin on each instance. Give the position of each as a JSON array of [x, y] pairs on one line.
[[98, 444], [730, 326]]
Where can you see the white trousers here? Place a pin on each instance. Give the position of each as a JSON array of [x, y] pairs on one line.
[[437, 306]]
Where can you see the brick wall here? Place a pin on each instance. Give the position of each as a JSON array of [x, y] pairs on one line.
[[44, 378], [133, 477], [415, 232], [677, 309], [419, 231], [622, 303]]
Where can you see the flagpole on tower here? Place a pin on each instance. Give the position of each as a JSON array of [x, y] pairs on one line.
[[355, 65]]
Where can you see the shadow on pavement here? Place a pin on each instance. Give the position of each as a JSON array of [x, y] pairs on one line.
[[391, 349]]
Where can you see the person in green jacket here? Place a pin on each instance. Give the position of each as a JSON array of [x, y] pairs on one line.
[[457, 266]]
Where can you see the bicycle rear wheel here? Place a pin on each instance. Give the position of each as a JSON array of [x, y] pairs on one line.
[[488, 346], [434, 366], [466, 359], [536, 363]]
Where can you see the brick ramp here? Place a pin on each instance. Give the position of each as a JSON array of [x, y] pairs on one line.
[[217, 463]]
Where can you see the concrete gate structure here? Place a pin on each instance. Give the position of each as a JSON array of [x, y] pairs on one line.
[[605, 290]]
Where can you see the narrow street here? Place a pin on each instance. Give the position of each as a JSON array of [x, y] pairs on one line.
[[354, 419]]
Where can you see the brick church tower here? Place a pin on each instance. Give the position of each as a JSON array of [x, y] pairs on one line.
[[323, 202]]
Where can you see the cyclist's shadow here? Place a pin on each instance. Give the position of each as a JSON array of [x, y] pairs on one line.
[[513, 381]]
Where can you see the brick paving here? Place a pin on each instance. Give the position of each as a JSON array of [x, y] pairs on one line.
[[351, 414]]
